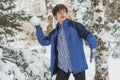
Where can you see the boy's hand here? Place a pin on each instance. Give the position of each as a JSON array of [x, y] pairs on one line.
[[96, 56]]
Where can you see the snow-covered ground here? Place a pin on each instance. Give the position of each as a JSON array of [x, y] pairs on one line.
[[114, 71]]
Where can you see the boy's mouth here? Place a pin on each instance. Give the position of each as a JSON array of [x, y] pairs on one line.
[[63, 17]]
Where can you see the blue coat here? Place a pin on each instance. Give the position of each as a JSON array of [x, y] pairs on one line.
[[75, 33]]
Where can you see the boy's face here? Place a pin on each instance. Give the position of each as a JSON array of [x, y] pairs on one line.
[[61, 15]]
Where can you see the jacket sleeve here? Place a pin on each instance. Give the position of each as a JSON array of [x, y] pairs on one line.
[[85, 34], [91, 41], [42, 39]]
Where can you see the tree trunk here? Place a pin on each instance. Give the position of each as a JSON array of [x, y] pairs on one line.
[[50, 17], [72, 12], [101, 72]]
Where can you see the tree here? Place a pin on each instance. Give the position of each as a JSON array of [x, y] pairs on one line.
[[106, 21], [10, 20], [99, 28], [113, 18]]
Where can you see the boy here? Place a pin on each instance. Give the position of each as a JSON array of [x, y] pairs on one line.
[[67, 53]]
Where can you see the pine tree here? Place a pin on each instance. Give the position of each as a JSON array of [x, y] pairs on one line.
[[10, 20]]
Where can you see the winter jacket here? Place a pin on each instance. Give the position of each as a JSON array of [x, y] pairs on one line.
[[75, 32]]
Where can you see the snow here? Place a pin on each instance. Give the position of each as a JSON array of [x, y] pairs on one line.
[[7, 69], [0, 53], [36, 61], [35, 21], [105, 34], [81, 9], [38, 56], [114, 71]]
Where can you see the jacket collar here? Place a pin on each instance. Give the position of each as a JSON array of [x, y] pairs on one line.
[[64, 24]]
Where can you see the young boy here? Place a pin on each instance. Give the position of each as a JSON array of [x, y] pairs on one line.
[[67, 53]]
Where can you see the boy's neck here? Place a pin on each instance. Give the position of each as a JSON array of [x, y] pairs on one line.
[[60, 23]]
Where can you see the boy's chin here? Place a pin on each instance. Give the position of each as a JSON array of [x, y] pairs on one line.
[[63, 19]]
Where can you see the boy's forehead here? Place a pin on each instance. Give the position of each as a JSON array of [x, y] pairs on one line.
[[61, 10]]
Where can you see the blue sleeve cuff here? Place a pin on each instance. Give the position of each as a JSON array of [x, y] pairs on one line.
[[92, 41]]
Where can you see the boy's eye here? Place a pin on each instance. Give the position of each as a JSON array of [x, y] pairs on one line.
[[61, 11]]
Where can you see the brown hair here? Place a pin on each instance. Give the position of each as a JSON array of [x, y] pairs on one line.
[[59, 7]]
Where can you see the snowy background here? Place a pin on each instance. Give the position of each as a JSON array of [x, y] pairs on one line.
[[22, 58]]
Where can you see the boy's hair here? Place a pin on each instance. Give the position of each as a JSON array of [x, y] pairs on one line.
[[59, 7]]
